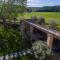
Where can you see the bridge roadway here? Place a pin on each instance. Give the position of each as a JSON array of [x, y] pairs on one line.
[[54, 33]]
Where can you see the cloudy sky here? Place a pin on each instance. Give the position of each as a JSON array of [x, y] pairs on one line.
[[40, 3]]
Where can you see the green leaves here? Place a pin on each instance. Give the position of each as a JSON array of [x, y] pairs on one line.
[[10, 41], [41, 51], [11, 8]]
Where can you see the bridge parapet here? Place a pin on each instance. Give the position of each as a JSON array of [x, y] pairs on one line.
[[51, 34]]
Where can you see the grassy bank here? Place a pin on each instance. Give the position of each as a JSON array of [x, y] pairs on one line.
[[48, 15]]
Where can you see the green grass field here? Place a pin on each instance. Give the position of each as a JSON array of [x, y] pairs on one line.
[[48, 15]]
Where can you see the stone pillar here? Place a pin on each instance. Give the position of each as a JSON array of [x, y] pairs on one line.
[[22, 28], [31, 32], [50, 40]]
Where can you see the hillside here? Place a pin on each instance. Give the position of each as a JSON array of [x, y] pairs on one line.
[[44, 9]]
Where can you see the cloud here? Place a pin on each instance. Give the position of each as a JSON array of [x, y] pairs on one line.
[[40, 3], [33, 3]]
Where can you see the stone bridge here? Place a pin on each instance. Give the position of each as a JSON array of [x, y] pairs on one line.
[[50, 35]]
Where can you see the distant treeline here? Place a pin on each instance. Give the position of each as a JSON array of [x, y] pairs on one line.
[[44, 9]]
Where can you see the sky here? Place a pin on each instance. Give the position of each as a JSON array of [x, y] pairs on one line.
[[41, 3]]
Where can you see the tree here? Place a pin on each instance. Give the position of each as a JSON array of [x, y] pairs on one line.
[[11, 8], [41, 51], [10, 42]]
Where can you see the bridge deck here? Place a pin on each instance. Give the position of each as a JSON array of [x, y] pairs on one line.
[[55, 33]]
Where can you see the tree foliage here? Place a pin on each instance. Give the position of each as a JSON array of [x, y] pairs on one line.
[[11, 41], [41, 51], [44, 9], [11, 8]]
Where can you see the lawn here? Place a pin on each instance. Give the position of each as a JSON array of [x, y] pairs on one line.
[[48, 15]]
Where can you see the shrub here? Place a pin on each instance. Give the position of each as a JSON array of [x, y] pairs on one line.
[[41, 51], [33, 18], [52, 24], [41, 20]]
